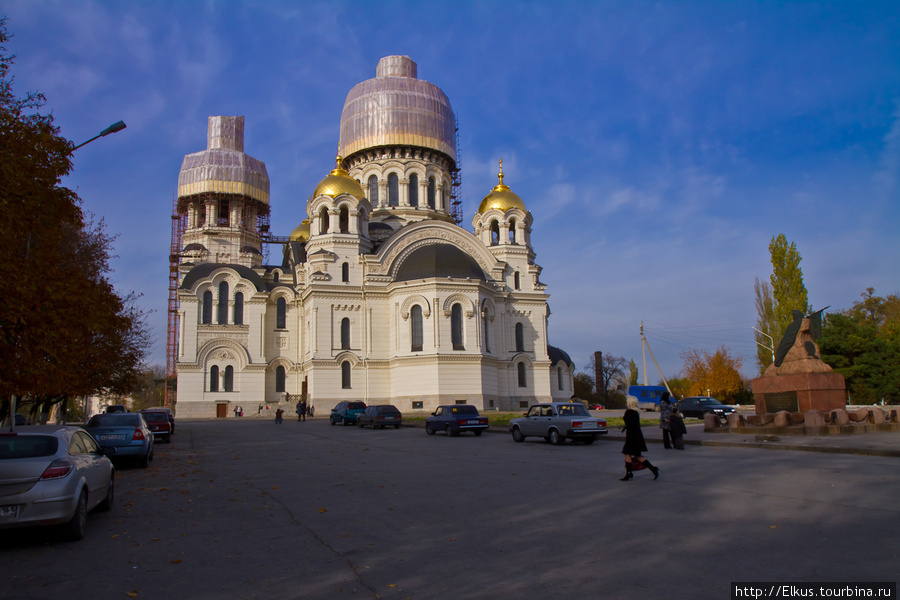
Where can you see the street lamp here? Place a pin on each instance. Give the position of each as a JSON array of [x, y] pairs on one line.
[[117, 126]]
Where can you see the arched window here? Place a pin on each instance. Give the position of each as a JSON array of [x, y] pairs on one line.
[[517, 281], [495, 233], [279, 379], [393, 190], [486, 327], [323, 220], [224, 213], [206, 316], [431, 191], [214, 378], [344, 220], [456, 329], [345, 272], [281, 314], [345, 375], [373, 190], [415, 328], [413, 190], [229, 378], [523, 380], [559, 377], [222, 316], [520, 338], [512, 231], [239, 308], [345, 334]]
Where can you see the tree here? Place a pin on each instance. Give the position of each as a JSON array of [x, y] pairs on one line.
[[584, 386], [719, 373], [632, 372], [64, 331], [765, 332], [788, 291], [862, 343]]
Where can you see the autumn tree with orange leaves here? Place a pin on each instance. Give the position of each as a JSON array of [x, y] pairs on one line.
[[717, 374]]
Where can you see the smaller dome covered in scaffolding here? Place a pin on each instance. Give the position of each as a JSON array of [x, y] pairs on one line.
[[223, 168]]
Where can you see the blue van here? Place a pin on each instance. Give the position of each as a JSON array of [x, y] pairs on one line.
[[648, 396]]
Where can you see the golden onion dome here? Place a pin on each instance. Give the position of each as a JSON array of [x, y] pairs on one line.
[[301, 232], [339, 182], [501, 197]]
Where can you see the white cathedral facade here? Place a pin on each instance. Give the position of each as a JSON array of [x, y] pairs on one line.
[[380, 296]]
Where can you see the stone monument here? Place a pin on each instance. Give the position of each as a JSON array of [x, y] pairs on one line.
[[798, 380]]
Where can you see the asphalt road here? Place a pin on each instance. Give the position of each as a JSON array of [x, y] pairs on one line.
[[247, 509]]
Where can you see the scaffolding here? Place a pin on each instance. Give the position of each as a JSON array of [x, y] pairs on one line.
[[456, 208], [178, 223]]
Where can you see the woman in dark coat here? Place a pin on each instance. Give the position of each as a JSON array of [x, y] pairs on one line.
[[634, 442]]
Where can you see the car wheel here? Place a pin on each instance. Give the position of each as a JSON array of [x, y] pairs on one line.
[[478, 432], [331, 420], [517, 435], [429, 429], [554, 438], [75, 528], [360, 424], [449, 431], [107, 503], [144, 461], [396, 427]]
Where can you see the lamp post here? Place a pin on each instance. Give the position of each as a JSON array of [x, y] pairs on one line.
[[117, 126]]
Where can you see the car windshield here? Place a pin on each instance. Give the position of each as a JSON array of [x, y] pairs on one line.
[[27, 446], [710, 402], [465, 410], [156, 416], [113, 420], [573, 410]]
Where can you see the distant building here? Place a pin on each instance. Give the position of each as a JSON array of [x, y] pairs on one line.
[[380, 296]]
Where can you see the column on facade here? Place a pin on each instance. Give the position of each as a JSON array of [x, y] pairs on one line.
[[334, 220], [504, 232], [383, 199], [404, 192]]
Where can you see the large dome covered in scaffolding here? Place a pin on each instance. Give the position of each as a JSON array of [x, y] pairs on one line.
[[397, 108]]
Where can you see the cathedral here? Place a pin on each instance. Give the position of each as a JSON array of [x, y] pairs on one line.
[[380, 295]]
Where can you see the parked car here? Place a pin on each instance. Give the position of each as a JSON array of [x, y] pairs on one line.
[[158, 423], [169, 414], [116, 408], [53, 475], [596, 407], [380, 415], [556, 421], [455, 419], [698, 406], [126, 432], [346, 412]]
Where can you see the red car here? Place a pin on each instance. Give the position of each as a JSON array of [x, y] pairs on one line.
[[596, 407], [158, 423]]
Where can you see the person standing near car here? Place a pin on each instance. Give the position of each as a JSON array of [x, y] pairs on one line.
[[677, 429], [634, 442], [665, 409]]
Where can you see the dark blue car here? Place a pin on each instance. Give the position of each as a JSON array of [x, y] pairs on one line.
[[455, 419]]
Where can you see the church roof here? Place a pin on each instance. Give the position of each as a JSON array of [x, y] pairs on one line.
[[557, 355], [439, 260], [501, 197], [205, 270]]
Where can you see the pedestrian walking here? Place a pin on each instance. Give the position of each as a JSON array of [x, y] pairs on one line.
[[634, 443], [279, 414], [302, 410], [665, 409], [677, 429]]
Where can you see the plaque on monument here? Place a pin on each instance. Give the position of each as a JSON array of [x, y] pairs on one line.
[[782, 401]]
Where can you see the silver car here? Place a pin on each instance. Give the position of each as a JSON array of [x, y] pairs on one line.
[[53, 475], [556, 421]]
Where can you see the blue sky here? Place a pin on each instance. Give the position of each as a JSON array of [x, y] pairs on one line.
[[658, 145]]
